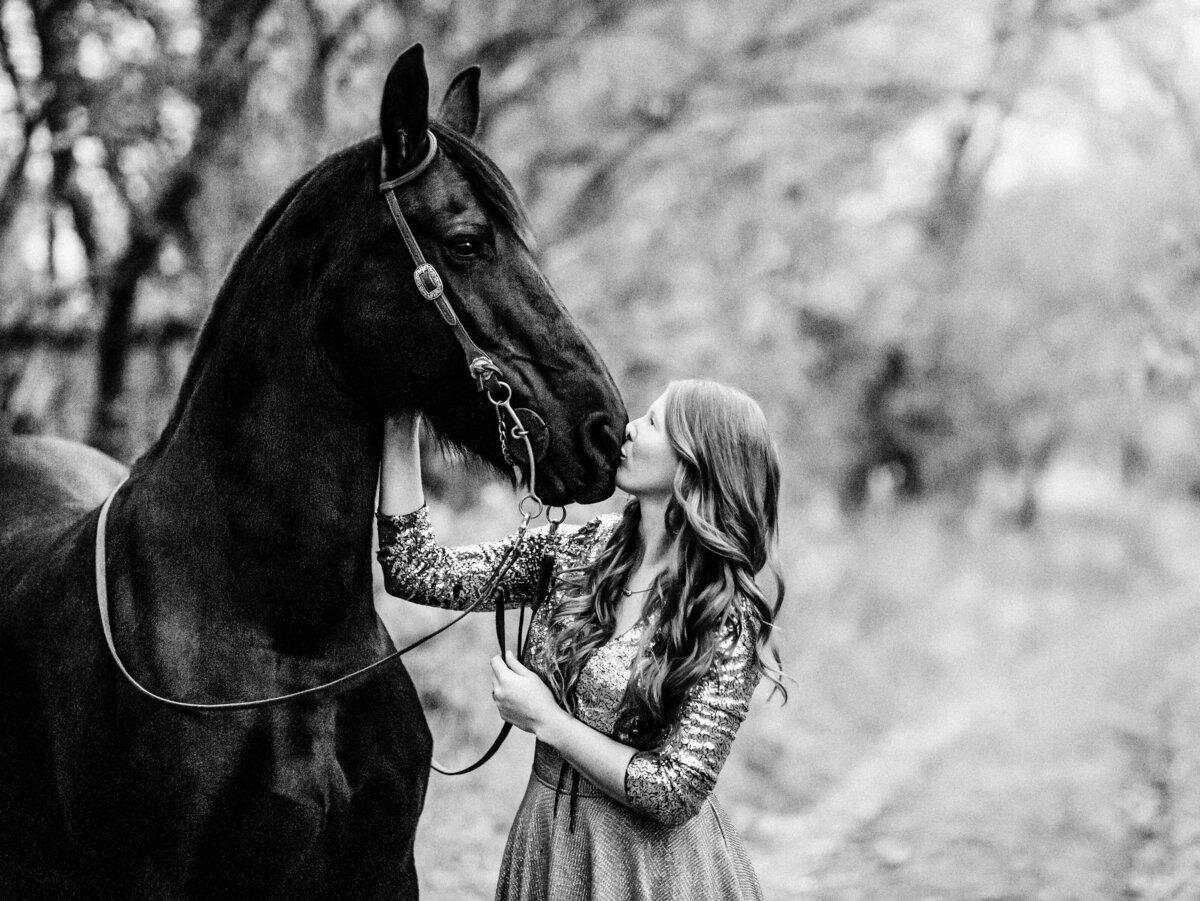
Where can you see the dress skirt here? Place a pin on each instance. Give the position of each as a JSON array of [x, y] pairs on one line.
[[613, 853]]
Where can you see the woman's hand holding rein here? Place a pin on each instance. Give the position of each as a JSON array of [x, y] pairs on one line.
[[524, 700]]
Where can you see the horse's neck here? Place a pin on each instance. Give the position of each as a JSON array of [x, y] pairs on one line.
[[269, 477]]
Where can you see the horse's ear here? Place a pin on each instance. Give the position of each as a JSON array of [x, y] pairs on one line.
[[404, 113], [460, 106]]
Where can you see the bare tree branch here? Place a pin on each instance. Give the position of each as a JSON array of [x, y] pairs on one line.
[[332, 39], [1103, 11], [552, 48], [1187, 111], [594, 195], [809, 30], [11, 187], [223, 76], [975, 142]]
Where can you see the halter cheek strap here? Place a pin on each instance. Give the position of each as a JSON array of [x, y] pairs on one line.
[[488, 376], [428, 282]]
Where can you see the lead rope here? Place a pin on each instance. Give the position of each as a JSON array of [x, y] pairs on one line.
[[491, 587], [545, 574], [506, 563], [540, 593]]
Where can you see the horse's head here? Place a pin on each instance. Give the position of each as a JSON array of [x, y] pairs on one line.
[[396, 349]]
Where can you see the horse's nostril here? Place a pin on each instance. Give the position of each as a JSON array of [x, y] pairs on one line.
[[600, 437]]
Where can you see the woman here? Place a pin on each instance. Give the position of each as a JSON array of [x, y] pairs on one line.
[[642, 662]]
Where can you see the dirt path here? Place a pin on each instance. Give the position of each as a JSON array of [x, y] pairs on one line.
[[1013, 792], [1034, 768], [1019, 792]]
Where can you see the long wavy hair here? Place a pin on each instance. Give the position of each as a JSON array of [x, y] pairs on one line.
[[722, 522]]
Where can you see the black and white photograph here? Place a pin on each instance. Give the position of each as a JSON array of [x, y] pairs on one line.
[[599, 450]]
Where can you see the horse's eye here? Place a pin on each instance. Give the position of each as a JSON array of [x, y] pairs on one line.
[[466, 246]]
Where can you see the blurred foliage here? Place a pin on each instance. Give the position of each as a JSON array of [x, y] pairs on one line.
[[943, 243]]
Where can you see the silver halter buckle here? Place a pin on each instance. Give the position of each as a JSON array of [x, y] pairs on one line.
[[429, 283]]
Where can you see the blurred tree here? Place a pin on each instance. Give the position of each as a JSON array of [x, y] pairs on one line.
[[990, 415], [786, 197], [217, 87], [133, 99]]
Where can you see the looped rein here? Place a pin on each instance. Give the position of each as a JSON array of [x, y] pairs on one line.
[[341, 682], [488, 378]]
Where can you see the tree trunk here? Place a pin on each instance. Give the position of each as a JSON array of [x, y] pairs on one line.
[[224, 73]]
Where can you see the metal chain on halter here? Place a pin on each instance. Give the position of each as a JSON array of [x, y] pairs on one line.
[[504, 406], [503, 440], [544, 580]]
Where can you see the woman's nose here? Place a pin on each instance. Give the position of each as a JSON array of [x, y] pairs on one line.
[[630, 432]]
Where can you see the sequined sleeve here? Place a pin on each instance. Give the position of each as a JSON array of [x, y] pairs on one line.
[[418, 569], [670, 783]]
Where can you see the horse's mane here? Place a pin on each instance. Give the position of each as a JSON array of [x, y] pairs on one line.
[[224, 298], [332, 177]]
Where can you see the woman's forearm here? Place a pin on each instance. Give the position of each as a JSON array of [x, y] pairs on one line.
[[400, 488], [601, 759]]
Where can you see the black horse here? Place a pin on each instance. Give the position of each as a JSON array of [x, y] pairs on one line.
[[239, 550]]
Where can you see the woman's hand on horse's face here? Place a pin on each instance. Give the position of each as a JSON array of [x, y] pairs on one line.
[[522, 697]]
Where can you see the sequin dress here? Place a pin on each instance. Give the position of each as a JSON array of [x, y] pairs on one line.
[[673, 840]]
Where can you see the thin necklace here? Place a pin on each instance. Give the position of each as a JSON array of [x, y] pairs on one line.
[[629, 594]]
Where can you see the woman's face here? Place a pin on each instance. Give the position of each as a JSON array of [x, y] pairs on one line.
[[648, 461]]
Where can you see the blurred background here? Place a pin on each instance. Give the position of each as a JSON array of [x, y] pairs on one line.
[[952, 248]]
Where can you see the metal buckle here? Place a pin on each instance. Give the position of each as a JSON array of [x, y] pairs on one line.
[[429, 283]]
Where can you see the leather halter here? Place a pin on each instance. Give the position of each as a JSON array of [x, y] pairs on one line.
[[229, 706], [487, 375], [429, 283], [488, 379]]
